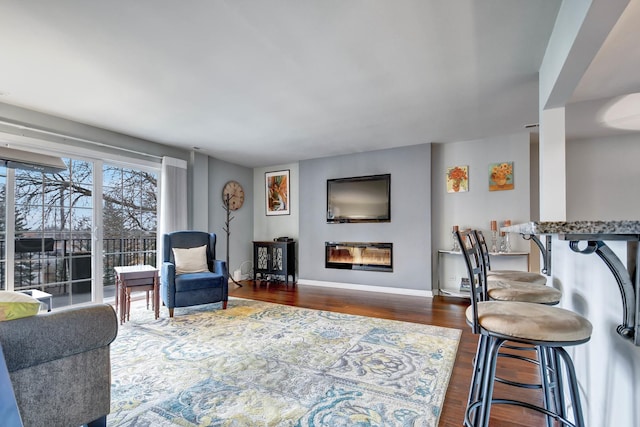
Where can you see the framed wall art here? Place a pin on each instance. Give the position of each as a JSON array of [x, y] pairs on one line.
[[277, 194], [501, 176], [457, 179]]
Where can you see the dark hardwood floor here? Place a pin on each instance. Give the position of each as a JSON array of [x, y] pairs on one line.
[[440, 311]]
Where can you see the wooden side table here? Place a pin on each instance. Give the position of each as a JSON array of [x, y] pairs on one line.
[[136, 278]]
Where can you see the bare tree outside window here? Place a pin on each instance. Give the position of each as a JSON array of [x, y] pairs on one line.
[[130, 218], [57, 211]]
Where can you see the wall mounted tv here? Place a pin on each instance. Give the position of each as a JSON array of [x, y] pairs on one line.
[[359, 199]]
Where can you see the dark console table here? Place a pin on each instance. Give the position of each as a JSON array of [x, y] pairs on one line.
[[274, 259]]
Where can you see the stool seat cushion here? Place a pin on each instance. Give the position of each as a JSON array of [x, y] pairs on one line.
[[518, 276], [507, 290], [531, 322]]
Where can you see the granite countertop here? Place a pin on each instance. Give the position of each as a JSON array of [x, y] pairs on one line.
[[575, 227]]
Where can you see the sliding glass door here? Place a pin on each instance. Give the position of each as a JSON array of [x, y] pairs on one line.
[[129, 210], [62, 233], [53, 232]]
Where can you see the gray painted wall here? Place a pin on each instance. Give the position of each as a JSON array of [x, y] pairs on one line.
[[270, 227], [534, 164], [241, 226], [56, 124], [603, 178], [198, 183], [409, 229], [479, 206]]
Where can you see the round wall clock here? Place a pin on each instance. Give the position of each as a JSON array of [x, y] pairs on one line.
[[234, 190]]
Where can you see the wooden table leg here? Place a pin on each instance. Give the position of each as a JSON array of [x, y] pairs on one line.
[[127, 292], [156, 296], [117, 291], [123, 302]]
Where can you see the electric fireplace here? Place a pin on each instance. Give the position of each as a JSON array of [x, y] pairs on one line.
[[359, 256]]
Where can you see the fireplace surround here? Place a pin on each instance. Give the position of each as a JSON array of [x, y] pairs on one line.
[[367, 256]]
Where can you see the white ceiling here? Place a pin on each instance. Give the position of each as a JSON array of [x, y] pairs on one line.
[[613, 74], [267, 82]]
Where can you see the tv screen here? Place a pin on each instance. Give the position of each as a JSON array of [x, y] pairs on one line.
[[359, 199]]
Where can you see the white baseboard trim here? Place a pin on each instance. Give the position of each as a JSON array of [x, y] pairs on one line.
[[366, 288]]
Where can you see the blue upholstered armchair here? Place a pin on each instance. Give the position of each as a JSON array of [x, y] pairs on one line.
[[191, 274]]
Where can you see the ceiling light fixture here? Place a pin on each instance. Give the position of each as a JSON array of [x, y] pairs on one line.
[[623, 113]]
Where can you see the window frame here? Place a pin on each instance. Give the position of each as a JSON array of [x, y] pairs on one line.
[[98, 160]]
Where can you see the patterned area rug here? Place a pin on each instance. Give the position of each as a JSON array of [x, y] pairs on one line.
[[261, 364]]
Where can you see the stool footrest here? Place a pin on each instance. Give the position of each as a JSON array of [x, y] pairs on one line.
[[527, 405]]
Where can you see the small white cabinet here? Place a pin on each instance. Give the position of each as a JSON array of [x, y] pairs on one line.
[[451, 269]]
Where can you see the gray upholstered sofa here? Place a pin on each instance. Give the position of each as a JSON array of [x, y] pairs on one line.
[[59, 364]]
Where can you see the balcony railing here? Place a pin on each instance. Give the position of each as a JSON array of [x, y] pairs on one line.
[[63, 266]]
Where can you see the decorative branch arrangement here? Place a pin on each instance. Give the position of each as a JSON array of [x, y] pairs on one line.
[[227, 229]]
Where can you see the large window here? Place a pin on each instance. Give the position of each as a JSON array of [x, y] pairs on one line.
[[53, 231], [129, 208], [52, 236]]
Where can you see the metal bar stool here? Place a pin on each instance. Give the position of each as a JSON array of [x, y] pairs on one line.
[[502, 287], [512, 285], [514, 275], [547, 328]]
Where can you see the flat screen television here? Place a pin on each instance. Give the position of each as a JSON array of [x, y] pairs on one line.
[[359, 199]]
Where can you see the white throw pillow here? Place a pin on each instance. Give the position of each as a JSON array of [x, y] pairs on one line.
[[191, 260]]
